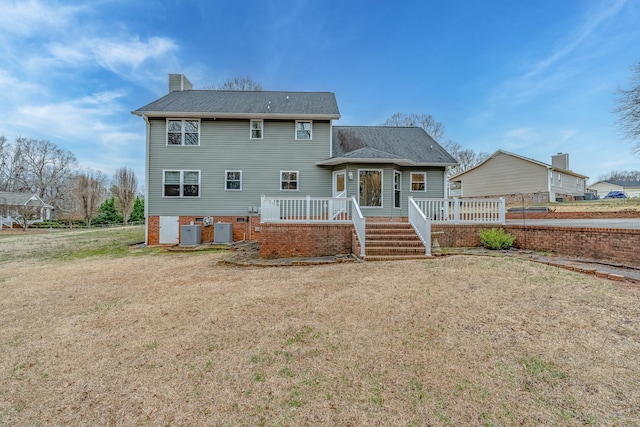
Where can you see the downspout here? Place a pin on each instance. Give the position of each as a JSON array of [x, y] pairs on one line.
[[146, 181], [446, 181]]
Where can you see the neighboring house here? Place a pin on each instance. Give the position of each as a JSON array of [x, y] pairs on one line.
[[514, 177], [213, 153], [630, 188], [14, 206]]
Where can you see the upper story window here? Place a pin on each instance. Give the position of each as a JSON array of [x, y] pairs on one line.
[[559, 179], [179, 183], [418, 181], [233, 180], [304, 129], [289, 180], [579, 185], [183, 132], [257, 129]]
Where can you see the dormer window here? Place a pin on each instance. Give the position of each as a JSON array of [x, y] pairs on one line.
[[303, 129], [256, 129], [183, 132]]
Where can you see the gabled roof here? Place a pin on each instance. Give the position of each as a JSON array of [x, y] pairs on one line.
[[527, 159], [21, 199], [243, 104], [403, 146]]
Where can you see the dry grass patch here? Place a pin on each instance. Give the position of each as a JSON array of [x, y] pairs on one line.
[[173, 339]]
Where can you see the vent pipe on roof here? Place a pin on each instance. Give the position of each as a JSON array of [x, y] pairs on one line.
[[179, 82]]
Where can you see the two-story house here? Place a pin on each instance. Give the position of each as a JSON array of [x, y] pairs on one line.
[[212, 153], [509, 175]]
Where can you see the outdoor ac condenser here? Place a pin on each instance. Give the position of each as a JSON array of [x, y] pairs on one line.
[[222, 232], [190, 235]]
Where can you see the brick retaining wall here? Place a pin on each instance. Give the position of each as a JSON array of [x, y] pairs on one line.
[[605, 244], [304, 240], [631, 213], [308, 240]]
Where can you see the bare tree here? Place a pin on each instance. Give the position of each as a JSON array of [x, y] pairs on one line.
[[90, 190], [621, 176], [434, 128], [245, 83], [10, 166], [628, 109], [41, 167], [27, 215], [125, 187], [466, 157]]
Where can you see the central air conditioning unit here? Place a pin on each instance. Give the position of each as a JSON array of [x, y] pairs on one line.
[[190, 235], [207, 221], [222, 232]]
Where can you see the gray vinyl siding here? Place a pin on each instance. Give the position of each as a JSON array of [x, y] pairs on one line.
[[226, 145], [569, 184], [502, 175], [435, 187]]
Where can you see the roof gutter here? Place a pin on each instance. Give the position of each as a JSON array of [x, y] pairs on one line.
[[209, 115], [400, 162]]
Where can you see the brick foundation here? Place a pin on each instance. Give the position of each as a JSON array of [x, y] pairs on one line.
[[309, 240], [241, 228], [304, 240]]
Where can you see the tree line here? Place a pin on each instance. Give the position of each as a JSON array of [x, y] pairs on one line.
[[76, 194]]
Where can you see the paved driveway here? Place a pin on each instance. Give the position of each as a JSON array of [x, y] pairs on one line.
[[626, 223]]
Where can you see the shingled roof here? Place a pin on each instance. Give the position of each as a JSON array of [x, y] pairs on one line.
[[625, 184], [403, 146], [9, 198], [243, 104]]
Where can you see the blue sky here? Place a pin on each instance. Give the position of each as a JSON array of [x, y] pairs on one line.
[[533, 78]]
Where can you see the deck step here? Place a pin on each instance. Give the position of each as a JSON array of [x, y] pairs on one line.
[[396, 257], [392, 241]]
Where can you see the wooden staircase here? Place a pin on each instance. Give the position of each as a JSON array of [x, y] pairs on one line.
[[392, 241]]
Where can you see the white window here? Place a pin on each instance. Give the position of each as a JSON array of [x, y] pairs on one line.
[[418, 181], [559, 179], [233, 180], [304, 129], [181, 183], [183, 132], [289, 180], [256, 129], [370, 188]]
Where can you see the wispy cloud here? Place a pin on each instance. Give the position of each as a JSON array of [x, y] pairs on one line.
[[35, 17], [565, 60], [577, 36], [118, 55]]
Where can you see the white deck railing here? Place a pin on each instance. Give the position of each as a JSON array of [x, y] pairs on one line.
[[359, 223], [460, 211], [421, 224], [6, 221], [306, 209]]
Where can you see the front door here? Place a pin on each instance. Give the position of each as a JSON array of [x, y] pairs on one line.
[[169, 230], [339, 191]]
